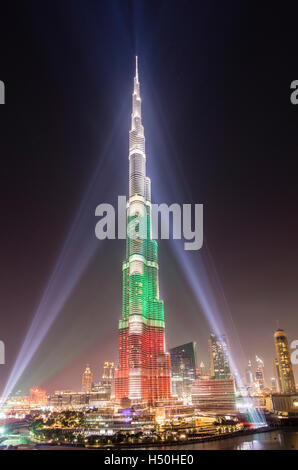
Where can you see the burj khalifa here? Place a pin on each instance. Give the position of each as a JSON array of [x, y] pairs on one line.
[[144, 371]]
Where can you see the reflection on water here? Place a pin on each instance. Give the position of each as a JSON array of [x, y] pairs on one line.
[[252, 445], [285, 439]]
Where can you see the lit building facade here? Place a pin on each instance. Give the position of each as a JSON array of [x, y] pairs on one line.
[[184, 368], [37, 397], [144, 371], [276, 374], [249, 376], [214, 395], [108, 374], [259, 375], [218, 354], [87, 380], [287, 380], [285, 405]]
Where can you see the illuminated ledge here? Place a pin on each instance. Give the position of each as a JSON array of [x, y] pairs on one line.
[[154, 323], [151, 264]]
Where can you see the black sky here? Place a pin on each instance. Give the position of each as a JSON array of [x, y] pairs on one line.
[[220, 130]]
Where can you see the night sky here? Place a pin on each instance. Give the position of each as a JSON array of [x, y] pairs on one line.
[[220, 130]]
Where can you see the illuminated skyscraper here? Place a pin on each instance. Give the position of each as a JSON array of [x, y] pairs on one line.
[[144, 372], [217, 395], [284, 362], [87, 380], [37, 397], [218, 353], [202, 368]]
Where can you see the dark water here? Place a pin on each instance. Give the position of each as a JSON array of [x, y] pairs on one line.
[[285, 439]]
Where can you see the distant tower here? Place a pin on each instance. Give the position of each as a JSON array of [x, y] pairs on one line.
[[249, 376], [202, 368], [284, 362], [218, 353], [87, 380], [276, 374], [260, 377]]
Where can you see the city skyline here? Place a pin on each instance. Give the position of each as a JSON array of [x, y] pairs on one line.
[[203, 147]]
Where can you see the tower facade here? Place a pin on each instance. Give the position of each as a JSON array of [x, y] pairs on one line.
[[287, 381], [87, 379], [218, 354], [249, 376], [144, 371]]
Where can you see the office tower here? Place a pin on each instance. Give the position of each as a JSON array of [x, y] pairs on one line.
[[218, 353], [108, 372], [249, 376], [183, 368], [87, 380], [144, 371], [37, 397], [214, 395], [202, 369], [284, 362], [276, 374], [259, 376]]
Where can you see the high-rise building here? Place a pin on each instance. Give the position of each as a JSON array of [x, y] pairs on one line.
[[273, 385], [37, 397], [108, 378], [284, 362], [144, 371], [201, 370], [259, 375], [87, 380], [184, 368], [218, 354], [276, 374]]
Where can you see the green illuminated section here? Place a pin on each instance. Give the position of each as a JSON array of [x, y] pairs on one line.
[[140, 289]]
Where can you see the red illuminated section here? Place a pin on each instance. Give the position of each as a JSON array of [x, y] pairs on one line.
[[144, 366]]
